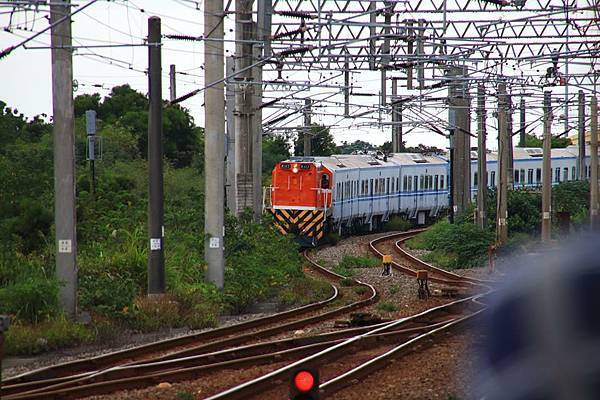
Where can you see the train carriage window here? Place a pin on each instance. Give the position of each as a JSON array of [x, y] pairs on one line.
[[397, 184], [538, 175], [421, 182], [516, 176], [565, 174], [435, 183], [530, 176], [522, 177], [387, 186], [573, 173], [405, 183], [393, 187], [441, 181], [493, 178], [410, 184], [557, 175], [475, 179], [371, 186], [416, 186]]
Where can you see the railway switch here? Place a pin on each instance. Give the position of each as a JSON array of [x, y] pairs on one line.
[[304, 384], [422, 280]]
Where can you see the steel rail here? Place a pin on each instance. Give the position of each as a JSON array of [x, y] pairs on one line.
[[266, 382]]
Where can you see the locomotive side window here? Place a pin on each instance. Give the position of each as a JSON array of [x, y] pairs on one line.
[[324, 181]]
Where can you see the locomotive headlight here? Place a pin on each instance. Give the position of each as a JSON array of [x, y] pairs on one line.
[[295, 169]]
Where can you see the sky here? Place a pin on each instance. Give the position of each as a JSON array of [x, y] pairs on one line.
[[27, 72]]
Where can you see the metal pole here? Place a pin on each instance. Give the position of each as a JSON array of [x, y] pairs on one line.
[[502, 194], [410, 50], [372, 33], [214, 146], [420, 54], [257, 137], [509, 137], [173, 83], [64, 157], [451, 206], [383, 100], [307, 124], [481, 158], [581, 138], [522, 124], [156, 257], [547, 168], [346, 86], [396, 119], [230, 186], [595, 219]]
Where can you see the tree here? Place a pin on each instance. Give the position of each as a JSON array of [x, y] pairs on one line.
[[555, 142], [275, 148], [322, 143], [356, 146], [125, 108]]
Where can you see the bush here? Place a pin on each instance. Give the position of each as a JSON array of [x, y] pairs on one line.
[[347, 282], [397, 223], [385, 306], [343, 270], [24, 339], [33, 299], [454, 245], [156, 312]]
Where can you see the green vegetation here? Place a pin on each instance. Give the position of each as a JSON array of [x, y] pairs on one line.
[[464, 245], [397, 223], [454, 245], [385, 306], [556, 142], [322, 142], [112, 238], [360, 290]]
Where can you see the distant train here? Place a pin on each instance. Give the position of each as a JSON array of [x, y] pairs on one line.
[[310, 196]]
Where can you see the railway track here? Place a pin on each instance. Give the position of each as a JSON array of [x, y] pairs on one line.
[[145, 365], [458, 314], [166, 361]]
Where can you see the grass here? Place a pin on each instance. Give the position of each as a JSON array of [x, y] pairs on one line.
[[347, 282], [360, 290]]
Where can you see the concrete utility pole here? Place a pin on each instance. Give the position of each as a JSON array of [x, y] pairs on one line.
[[522, 134], [244, 103], [307, 123], [595, 218], [581, 138], [156, 255], [172, 83], [458, 97], [547, 168], [503, 157], [64, 157], [214, 141], [481, 158], [396, 119], [230, 186]]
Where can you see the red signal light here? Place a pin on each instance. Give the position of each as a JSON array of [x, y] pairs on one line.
[[304, 381], [304, 384]]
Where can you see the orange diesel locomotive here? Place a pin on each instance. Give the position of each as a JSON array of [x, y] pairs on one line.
[[300, 197]]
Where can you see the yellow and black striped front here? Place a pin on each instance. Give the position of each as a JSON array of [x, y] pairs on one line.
[[306, 224]]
